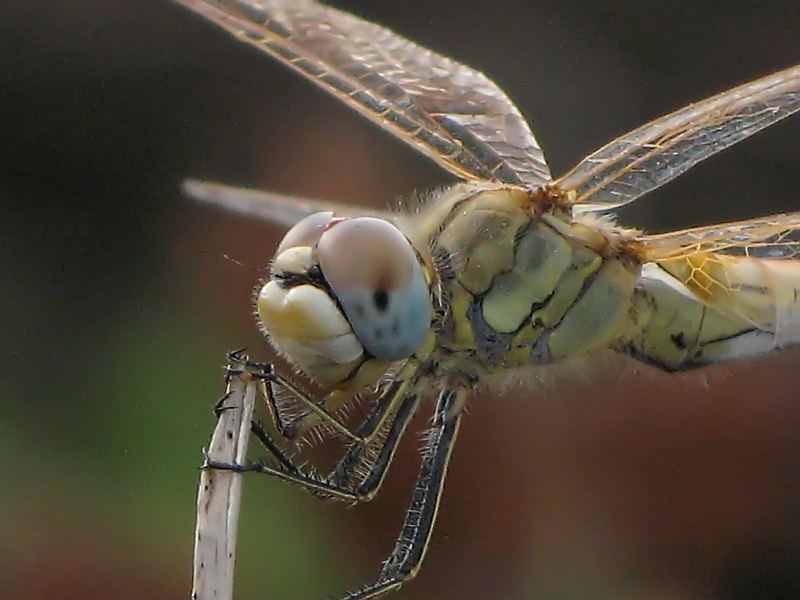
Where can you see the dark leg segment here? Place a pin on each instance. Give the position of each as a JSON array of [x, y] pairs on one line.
[[356, 454], [409, 550], [338, 485], [389, 402], [293, 427], [273, 448]]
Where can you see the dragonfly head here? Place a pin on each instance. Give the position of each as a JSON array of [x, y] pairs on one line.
[[344, 291]]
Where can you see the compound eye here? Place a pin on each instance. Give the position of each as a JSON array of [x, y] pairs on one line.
[[375, 275], [306, 232]]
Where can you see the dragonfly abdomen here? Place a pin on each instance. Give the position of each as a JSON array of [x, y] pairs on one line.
[[708, 308]]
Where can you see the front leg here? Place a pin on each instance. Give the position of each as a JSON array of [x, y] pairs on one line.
[[360, 472], [338, 484]]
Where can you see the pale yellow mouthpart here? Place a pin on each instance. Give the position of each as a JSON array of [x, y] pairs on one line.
[[294, 260], [343, 350], [306, 325], [303, 312]]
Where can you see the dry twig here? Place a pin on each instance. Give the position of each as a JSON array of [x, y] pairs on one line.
[[219, 494]]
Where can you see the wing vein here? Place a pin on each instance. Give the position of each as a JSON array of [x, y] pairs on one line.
[[654, 154], [453, 114]]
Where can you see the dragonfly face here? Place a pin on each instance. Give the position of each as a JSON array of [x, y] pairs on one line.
[[344, 292], [521, 271]]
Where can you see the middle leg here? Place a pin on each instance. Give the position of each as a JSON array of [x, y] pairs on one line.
[[409, 550]]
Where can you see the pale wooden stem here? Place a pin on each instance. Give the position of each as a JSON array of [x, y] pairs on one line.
[[219, 494]]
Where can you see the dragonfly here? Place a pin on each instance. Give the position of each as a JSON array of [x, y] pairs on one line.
[[506, 271]]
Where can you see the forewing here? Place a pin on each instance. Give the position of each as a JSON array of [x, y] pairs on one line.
[[277, 208], [775, 237], [652, 155], [453, 114]]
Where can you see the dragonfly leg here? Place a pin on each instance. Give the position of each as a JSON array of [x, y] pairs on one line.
[[369, 457], [409, 550], [290, 429], [265, 372], [275, 450], [316, 410], [338, 485], [308, 481], [357, 458]]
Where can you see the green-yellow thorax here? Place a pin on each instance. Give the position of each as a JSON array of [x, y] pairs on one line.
[[522, 285]]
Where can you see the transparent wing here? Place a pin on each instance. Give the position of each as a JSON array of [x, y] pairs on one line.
[[776, 236], [652, 155], [453, 114], [269, 206]]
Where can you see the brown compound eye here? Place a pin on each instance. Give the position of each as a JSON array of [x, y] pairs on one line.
[[306, 232], [376, 276]]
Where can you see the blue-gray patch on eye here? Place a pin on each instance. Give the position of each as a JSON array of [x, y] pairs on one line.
[[392, 325]]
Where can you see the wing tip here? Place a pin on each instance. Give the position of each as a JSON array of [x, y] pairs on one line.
[[196, 189], [237, 199]]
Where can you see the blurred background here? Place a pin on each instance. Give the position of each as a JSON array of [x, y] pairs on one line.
[[119, 299]]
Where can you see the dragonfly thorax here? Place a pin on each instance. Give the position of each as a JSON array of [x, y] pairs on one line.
[[528, 284]]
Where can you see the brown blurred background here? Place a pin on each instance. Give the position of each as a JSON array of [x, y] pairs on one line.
[[118, 301]]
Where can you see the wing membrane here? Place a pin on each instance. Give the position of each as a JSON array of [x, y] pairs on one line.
[[776, 237], [453, 114], [273, 207], [652, 155]]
